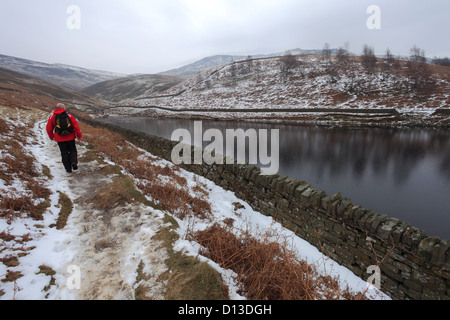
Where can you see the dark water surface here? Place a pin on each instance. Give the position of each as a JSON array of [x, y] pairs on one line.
[[404, 173]]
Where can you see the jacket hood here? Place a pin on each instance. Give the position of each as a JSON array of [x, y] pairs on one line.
[[59, 111]]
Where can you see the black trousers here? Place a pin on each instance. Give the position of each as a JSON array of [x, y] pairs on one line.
[[69, 154]]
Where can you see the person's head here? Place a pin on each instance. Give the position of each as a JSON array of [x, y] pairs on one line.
[[60, 106]]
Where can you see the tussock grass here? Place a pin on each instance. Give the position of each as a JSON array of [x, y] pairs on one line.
[[268, 270], [10, 261], [66, 209]]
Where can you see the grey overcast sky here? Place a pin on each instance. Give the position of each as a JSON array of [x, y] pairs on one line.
[[137, 36]]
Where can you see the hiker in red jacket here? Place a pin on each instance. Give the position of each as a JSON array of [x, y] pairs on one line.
[[63, 128]]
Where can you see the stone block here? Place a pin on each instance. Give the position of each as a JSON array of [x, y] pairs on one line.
[[343, 205], [255, 175], [276, 179], [291, 185], [402, 267], [391, 271], [412, 237], [439, 252], [317, 196], [339, 229], [362, 223], [348, 214], [247, 171], [360, 216], [398, 231], [389, 285], [327, 201], [426, 247], [300, 188], [305, 196], [333, 208], [413, 285], [386, 227], [378, 219], [429, 281], [266, 181], [345, 254], [279, 183]]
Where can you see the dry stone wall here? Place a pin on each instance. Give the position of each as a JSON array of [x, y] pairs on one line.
[[412, 265]]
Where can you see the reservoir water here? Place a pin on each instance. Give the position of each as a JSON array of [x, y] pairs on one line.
[[404, 173]]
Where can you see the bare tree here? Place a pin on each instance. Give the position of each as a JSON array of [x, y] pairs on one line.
[[331, 67], [257, 65], [442, 61], [342, 56], [288, 63], [246, 66], [390, 65], [368, 59], [326, 53], [249, 64], [233, 74], [418, 72]]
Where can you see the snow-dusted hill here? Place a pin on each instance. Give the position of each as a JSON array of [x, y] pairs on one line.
[[219, 60], [132, 87], [313, 83], [70, 77], [18, 90]]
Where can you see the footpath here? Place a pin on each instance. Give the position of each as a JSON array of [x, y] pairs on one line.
[[98, 251]]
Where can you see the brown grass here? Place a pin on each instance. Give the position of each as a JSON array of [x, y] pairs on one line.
[[18, 166], [163, 184], [10, 261], [268, 270], [12, 276], [66, 209], [13, 206], [4, 127]]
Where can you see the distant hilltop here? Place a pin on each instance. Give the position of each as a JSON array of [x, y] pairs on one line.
[[218, 60], [70, 77]]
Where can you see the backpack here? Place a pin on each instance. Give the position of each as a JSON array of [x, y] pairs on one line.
[[63, 125]]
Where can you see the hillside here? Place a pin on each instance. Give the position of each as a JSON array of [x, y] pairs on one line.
[[133, 87], [220, 60], [71, 77], [18, 90], [312, 83], [192, 69]]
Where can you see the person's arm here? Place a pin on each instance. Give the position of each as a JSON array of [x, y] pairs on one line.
[[76, 127], [51, 127]]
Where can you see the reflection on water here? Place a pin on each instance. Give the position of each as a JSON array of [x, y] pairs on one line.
[[404, 173]]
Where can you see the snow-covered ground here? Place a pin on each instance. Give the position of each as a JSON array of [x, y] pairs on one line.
[[111, 274], [78, 248]]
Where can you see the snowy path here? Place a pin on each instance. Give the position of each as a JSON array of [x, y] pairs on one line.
[[106, 247]]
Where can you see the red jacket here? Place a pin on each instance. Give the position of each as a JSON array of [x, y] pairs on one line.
[[51, 128]]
